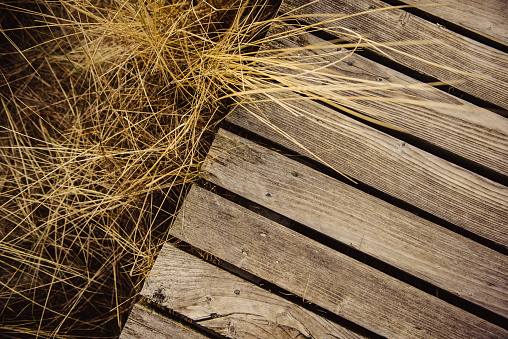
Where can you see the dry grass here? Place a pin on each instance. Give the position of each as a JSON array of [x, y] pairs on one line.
[[107, 108]]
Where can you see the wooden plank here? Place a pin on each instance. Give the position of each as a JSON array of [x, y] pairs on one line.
[[487, 18], [470, 66], [144, 323], [227, 304], [421, 248], [423, 111], [319, 274], [399, 169]]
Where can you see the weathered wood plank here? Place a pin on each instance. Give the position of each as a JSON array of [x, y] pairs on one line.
[[318, 274], [144, 323], [423, 111], [487, 18], [229, 305], [401, 170], [419, 247], [470, 66]]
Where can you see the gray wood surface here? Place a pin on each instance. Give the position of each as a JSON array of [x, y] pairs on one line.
[[470, 66], [419, 247], [227, 304], [421, 110], [392, 166], [319, 274], [487, 17], [144, 323]]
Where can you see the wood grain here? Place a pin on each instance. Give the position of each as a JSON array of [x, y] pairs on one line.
[[487, 18], [144, 323], [468, 65], [419, 247], [229, 305], [392, 166], [423, 111], [318, 274]]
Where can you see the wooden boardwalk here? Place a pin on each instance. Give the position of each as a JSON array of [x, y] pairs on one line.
[[413, 244]]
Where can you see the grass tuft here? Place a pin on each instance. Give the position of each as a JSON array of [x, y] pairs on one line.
[[105, 108]]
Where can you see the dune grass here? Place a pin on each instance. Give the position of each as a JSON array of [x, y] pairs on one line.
[[108, 109]]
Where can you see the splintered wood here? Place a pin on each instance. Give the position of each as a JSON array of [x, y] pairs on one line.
[[229, 305], [146, 323]]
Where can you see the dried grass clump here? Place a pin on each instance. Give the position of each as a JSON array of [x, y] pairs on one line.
[[105, 106]]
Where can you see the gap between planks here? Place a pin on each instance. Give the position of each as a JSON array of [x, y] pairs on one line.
[[487, 18]]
